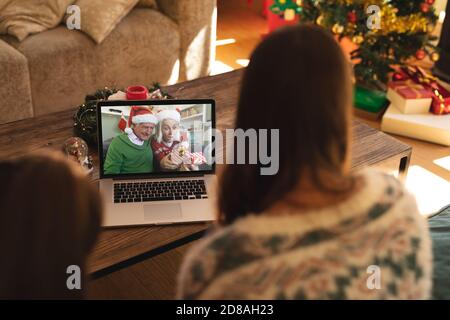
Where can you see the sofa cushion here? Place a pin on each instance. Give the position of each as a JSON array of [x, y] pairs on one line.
[[440, 235], [99, 18], [65, 65], [147, 4], [15, 92], [23, 17]]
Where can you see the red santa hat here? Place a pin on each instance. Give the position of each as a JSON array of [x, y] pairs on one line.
[[140, 115], [169, 114]]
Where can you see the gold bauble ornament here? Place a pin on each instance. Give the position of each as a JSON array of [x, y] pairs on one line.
[[434, 56], [337, 29], [371, 40], [357, 39], [319, 20]]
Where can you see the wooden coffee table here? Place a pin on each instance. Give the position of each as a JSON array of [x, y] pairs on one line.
[[123, 246]]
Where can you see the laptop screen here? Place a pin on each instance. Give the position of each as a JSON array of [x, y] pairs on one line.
[[164, 137]]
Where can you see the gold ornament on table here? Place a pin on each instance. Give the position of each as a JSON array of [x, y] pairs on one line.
[[299, 2]]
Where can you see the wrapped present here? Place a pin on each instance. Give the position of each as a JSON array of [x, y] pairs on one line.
[[197, 158], [409, 97], [181, 154], [372, 101], [425, 126], [440, 97]]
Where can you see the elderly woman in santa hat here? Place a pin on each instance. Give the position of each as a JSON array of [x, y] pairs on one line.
[[167, 145]]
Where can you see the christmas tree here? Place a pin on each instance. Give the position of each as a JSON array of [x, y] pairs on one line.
[[387, 32], [287, 8]]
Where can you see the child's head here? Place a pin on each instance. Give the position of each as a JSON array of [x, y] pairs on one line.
[[49, 219], [298, 81]]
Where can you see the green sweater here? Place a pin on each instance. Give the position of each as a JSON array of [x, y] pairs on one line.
[[123, 156]]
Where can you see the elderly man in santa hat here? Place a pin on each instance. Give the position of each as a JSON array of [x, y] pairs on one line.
[[130, 151]]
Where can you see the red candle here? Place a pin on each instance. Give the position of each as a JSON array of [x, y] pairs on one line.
[[137, 93]]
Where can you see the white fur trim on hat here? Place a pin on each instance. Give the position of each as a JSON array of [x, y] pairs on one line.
[[169, 114], [144, 118]]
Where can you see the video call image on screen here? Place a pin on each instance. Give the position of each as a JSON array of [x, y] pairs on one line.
[[161, 138]]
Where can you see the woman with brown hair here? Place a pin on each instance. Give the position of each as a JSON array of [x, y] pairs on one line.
[[49, 220], [314, 230]]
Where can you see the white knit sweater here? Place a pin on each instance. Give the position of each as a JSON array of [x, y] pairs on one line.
[[374, 245]]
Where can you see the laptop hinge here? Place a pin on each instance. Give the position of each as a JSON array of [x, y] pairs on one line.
[[161, 176]]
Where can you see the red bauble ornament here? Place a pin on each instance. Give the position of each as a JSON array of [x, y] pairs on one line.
[[351, 17], [430, 2], [424, 7], [420, 54], [397, 76], [122, 123]]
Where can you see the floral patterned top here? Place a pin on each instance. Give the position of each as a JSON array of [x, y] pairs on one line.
[[374, 245]]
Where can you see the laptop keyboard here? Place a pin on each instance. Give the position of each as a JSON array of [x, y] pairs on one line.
[[159, 191]]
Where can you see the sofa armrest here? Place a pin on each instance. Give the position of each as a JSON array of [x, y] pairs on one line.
[[197, 22], [15, 91]]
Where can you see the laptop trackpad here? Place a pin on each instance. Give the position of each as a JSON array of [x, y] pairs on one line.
[[162, 212]]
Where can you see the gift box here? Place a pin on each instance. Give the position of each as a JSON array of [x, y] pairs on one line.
[[369, 103], [195, 158], [181, 154], [441, 103], [418, 80], [198, 158], [426, 126], [409, 97]]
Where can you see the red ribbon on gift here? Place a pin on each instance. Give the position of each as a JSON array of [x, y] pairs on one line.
[[441, 97], [409, 89]]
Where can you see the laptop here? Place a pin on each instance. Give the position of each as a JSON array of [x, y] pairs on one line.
[[156, 161]]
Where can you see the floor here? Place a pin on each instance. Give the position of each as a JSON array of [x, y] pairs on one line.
[[240, 28]]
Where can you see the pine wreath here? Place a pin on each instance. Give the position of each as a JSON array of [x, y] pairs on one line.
[[85, 118]]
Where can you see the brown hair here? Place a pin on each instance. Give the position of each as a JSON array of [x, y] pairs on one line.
[[298, 81], [49, 219]]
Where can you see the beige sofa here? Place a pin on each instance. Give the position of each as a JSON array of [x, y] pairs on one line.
[[54, 70]]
